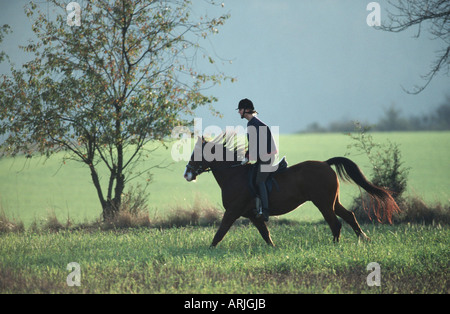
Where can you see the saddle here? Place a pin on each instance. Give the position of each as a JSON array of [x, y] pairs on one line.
[[281, 166]]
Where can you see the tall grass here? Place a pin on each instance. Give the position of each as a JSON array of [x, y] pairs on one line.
[[200, 213], [203, 213], [9, 225]]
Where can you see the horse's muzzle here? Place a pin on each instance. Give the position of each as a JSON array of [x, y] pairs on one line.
[[188, 175]]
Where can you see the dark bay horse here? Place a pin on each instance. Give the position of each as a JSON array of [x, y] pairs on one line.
[[312, 181]]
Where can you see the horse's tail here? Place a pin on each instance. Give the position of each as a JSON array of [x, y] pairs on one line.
[[385, 205]]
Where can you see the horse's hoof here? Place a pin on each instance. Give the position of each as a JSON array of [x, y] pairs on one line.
[[366, 238], [363, 237]]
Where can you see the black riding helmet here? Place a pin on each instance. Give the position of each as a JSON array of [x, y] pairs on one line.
[[246, 104]]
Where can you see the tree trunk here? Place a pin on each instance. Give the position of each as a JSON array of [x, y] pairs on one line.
[[110, 206], [98, 187], [109, 210], [120, 178]]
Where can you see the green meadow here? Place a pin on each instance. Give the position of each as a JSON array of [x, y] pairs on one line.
[[413, 258], [30, 188]]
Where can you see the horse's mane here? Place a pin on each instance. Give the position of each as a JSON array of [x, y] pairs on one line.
[[231, 143]]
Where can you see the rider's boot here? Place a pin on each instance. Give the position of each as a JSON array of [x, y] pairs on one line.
[[264, 200]]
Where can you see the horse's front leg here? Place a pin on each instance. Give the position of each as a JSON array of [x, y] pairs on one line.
[[228, 219]]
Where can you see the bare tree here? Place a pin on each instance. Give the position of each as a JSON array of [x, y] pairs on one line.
[[431, 15]]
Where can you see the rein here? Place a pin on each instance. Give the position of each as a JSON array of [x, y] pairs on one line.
[[200, 170], [223, 167]]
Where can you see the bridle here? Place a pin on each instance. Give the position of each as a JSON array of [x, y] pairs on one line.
[[199, 170]]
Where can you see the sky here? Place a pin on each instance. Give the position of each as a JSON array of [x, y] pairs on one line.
[[302, 61]]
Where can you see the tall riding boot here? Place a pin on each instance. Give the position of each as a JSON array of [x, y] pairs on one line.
[[264, 200]]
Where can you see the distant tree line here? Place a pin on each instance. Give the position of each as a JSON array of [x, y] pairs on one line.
[[392, 120]]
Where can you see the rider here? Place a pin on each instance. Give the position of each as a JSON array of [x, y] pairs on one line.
[[262, 148]]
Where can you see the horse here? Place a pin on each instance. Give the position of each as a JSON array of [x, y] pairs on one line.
[[314, 181]]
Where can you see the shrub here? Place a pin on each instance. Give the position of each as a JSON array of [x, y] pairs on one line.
[[387, 167], [133, 211], [52, 223], [388, 172], [201, 213], [415, 210]]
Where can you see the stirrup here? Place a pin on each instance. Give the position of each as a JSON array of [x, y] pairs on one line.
[[258, 209], [265, 215]]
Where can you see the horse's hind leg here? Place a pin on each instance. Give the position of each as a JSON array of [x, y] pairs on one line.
[[349, 218], [262, 228]]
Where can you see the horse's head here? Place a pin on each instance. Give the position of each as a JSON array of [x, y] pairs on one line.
[[197, 164], [223, 151]]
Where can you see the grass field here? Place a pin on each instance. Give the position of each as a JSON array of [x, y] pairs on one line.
[[30, 188], [413, 258]]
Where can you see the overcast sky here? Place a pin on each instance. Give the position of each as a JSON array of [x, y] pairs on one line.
[[303, 61]]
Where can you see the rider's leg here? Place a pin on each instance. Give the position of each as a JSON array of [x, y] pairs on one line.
[[264, 200], [261, 178]]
